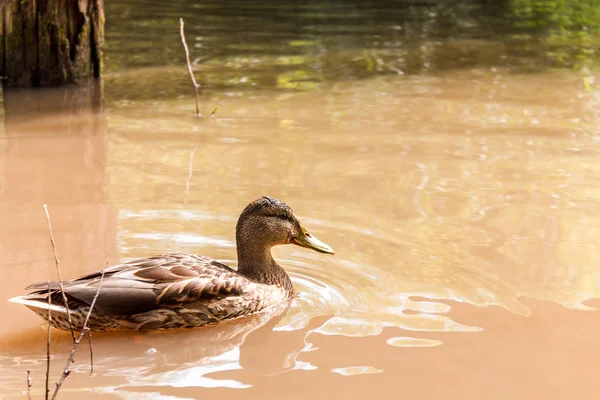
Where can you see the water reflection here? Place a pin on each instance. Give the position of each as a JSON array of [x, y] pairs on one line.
[[177, 358], [412, 225], [361, 370], [54, 152], [291, 46], [461, 203], [421, 206]]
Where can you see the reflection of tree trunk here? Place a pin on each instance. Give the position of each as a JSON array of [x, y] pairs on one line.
[[56, 153], [50, 42], [84, 100]]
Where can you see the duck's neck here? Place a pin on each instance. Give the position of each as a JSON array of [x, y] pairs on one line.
[[256, 263]]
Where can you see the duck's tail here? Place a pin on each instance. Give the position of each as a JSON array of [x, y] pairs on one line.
[[55, 313], [38, 299], [38, 303]]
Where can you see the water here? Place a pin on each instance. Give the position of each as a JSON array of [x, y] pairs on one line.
[[459, 196]]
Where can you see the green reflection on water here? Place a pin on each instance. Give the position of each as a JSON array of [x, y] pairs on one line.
[[288, 46], [568, 28]]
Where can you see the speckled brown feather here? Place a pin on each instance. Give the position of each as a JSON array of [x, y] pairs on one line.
[[178, 290]]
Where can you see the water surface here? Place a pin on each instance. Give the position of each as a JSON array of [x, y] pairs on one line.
[[461, 203]]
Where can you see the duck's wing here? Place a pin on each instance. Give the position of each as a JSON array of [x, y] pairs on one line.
[[162, 281]]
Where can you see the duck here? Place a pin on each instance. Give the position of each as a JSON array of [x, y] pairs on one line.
[[182, 290]]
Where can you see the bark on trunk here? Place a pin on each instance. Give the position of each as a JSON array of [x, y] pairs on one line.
[[50, 42]]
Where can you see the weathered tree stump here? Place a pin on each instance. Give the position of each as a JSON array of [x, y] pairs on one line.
[[50, 42]]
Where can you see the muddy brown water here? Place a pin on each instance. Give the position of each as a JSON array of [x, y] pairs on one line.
[[462, 203], [466, 230]]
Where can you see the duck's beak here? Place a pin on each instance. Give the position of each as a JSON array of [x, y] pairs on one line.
[[305, 239]]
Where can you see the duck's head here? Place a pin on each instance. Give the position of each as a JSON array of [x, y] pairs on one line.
[[268, 222]]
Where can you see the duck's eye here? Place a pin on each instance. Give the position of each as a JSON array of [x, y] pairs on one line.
[[284, 216]]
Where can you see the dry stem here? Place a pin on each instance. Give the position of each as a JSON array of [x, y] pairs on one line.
[[48, 343], [89, 336], [28, 384], [84, 330], [189, 64], [89, 332], [60, 281]]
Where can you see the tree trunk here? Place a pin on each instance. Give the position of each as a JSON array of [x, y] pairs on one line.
[[50, 42]]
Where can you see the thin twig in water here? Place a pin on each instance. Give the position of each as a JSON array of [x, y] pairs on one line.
[[89, 336], [189, 64], [28, 384], [89, 332], [48, 343], [84, 330], [60, 281], [87, 317], [212, 114]]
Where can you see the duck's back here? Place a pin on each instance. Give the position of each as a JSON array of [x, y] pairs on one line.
[[166, 291]]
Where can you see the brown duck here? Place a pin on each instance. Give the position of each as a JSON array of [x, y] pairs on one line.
[[184, 290]]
